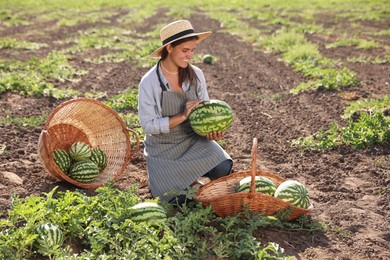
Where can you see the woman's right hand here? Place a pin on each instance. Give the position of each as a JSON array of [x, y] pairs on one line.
[[190, 105], [180, 118]]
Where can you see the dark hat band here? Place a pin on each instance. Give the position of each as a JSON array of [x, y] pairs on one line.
[[177, 35]]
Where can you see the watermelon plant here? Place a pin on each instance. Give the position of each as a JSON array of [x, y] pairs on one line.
[[103, 227], [23, 121], [262, 184], [354, 41], [34, 76], [306, 58], [367, 130], [124, 102], [362, 58], [370, 106], [293, 192], [211, 116], [6, 43]]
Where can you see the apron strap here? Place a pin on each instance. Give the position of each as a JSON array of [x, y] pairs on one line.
[[163, 87]]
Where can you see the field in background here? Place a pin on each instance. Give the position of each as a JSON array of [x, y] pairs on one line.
[[310, 80]]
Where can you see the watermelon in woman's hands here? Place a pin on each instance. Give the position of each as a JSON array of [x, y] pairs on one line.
[[211, 116]]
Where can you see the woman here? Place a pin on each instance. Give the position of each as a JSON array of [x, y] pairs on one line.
[[175, 155]]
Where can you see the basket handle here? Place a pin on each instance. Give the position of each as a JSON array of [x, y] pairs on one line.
[[254, 156], [136, 148]]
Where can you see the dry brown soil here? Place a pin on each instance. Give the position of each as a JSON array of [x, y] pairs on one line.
[[349, 189]]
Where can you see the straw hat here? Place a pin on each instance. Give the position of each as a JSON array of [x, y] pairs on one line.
[[175, 31]]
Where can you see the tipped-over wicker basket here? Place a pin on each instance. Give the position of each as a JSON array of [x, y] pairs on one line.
[[222, 196], [94, 123]]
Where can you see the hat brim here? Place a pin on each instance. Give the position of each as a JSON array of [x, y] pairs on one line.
[[202, 36]]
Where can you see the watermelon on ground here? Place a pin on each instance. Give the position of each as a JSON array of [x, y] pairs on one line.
[[293, 192], [148, 211], [49, 236], [211, 116], [207, 59]]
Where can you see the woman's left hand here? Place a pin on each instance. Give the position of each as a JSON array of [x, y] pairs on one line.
[[215, 136]]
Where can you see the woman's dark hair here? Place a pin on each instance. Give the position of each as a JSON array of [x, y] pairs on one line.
[[185, 74]]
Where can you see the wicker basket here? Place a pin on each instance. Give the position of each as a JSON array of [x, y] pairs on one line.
[[92, 122], [221, 195]]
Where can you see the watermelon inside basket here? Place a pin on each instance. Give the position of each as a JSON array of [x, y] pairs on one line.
[[92, 122], [222, 196]]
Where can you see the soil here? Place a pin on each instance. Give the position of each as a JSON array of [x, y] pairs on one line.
[[349, 188]]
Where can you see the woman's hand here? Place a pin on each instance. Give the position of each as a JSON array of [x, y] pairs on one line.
[[215, 136], [191, 104], [180, 118]]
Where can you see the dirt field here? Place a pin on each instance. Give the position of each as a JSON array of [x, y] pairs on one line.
[[350, 189]]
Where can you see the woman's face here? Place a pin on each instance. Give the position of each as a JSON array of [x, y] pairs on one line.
[[182, 53]]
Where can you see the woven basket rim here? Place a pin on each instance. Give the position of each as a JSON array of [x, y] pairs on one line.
[[238, 175], [82, 99]]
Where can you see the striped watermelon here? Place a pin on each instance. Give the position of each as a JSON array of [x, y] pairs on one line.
[[210, 116], [99, 158], [80, 151], [49, 236], [62, 159], [293, 192], [148, 211], [207, 59], [263, 185], [84, 171]]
